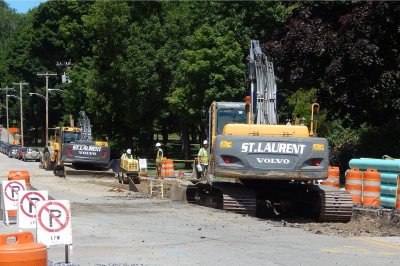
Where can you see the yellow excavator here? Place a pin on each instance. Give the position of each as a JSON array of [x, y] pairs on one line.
[[258, 167], [74, 147]]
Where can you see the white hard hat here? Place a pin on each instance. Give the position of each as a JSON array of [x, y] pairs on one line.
[[158, 144], [128, 151], [205, 142]]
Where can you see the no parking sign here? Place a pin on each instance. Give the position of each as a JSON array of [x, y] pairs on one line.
[[10, 190], [53, 220], [27, 201]]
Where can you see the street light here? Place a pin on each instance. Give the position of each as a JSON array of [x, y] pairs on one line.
[[62, 91], [14, 96], [47, 110], [47, 75], [37, 94]]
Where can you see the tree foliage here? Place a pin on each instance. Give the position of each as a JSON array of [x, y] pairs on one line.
[[145, 68], [348, 52]]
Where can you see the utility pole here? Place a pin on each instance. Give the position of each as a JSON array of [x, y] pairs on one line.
[[7, 89], [47, 75], [21, 83]]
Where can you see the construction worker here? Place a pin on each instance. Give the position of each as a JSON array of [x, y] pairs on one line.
[[127, 155], [159, 158], [298, 120], [202, 158]]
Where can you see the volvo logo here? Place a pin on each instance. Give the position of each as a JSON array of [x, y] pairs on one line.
[[273, 161]]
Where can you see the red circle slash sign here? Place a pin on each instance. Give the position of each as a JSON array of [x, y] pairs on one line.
[[58, 223], [27, 197], [14, 192]]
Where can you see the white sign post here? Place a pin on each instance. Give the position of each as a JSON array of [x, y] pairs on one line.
[[27, 207], [143, 165], [53, 220], [9, 195]]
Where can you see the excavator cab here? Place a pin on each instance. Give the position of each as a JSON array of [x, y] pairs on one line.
[[223, 113], [69, 137]]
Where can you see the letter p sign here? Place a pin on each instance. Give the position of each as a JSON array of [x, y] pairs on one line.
[[32, 203], [54, 215], [14, 191]]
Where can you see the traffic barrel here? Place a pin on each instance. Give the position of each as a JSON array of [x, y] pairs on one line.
[[354, 181], [20, 175], [398, 193], [371, 187], [19, 249], [167, 169], [333, 179]]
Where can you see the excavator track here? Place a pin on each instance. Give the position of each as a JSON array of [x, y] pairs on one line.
[[335, 205], [229, 197], [239, 200], [191, 194]]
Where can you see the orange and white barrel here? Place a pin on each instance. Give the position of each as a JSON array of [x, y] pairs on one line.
[[167, 169], [20, 175], [398, 193], [354, 183], [18, 249], [333, 179], [371, 187]]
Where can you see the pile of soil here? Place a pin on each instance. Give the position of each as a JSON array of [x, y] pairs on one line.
[[365, 222]]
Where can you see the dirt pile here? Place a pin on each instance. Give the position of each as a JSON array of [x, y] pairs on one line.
[[365, 222]]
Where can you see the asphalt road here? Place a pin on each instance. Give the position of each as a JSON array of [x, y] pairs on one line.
[[113, 227]]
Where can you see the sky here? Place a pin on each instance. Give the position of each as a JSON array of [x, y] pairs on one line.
[[23, 6]]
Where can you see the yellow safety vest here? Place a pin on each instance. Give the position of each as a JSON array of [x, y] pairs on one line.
[[160, 155], [203, 156]]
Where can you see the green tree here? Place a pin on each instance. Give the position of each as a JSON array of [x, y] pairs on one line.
[[300, 102], [211, 69]]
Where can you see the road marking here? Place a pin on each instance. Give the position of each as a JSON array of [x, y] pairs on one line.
[[378, 243], [351, 249], [358, 249], [333, 250], [387, 254]]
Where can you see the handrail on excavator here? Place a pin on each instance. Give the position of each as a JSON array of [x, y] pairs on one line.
[[314, 119]]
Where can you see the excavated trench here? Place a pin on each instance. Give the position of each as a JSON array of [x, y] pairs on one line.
[[366, 221]]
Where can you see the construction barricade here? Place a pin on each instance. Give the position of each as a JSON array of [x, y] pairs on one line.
[[17, 249], [389, 170], [371, 187], [333, 179], [398, 193], [167, 169], [354, 184], [20, 175]]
